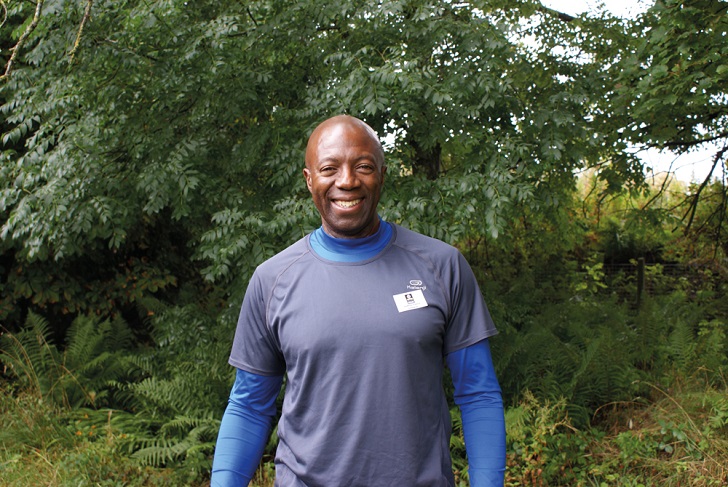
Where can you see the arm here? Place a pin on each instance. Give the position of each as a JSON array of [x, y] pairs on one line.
[[244, 428], [478, 395]]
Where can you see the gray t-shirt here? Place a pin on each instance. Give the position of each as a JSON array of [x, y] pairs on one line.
[[362, 345]]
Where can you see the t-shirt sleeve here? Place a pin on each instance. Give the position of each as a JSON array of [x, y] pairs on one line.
[[469, 321], [255, 349]]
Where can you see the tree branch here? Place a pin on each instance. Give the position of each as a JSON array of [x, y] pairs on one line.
[[23, 38], [663, 187], [86, 18], [694, 203], [560, 15], [5, 12], [250, 14], [721, 221], [691, 143]]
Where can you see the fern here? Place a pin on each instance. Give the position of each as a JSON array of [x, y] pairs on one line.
[[649, 327], [80, 375], [681, 346], [31, 357], [178, 390], [195, 446], [712, 348]]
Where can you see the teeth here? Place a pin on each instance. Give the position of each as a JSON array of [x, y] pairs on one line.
[[348, 204]]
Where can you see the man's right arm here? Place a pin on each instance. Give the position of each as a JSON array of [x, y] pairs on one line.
[[244, 429]]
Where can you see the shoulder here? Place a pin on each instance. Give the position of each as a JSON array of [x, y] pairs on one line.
[[283, 260], [445, 260], [423, 245]]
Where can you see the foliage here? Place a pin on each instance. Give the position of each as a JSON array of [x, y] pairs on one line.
[[594, 351], [665, 77], [543, 446], [41, 444], [578, 348], [706, 242], [667, 442], [457, 447], [166, 410], [180, 392], [669, 86], [173, 135], [77, 375]]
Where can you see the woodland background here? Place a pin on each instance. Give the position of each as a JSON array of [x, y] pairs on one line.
[[151, 157]]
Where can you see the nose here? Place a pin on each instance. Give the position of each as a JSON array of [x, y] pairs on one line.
[[347, 178]]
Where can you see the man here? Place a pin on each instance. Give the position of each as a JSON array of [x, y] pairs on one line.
[[359, 316]]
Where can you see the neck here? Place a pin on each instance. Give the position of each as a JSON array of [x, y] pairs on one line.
[[367, 232], [351, 249]]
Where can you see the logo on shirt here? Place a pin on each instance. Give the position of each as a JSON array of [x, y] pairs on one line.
[[416, 284]]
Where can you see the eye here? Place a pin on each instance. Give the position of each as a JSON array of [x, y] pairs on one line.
[[366, 168]]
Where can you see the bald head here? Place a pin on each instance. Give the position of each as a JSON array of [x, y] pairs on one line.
[[339, 125]]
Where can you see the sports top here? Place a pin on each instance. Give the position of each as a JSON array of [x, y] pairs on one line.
[[362, 344]]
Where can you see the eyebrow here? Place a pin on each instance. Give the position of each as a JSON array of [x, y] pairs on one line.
[[367, 157]]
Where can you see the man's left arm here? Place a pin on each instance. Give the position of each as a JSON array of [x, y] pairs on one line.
[[478, 395]]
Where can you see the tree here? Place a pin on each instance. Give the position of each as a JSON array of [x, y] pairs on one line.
[[668, 78], [163, 141]]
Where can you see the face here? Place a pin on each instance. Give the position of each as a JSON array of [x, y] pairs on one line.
[[344, 173]]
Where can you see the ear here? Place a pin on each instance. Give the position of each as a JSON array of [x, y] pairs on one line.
[[307, 176]]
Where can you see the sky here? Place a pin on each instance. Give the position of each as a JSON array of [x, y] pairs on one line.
[[623, 8], [693, 166]]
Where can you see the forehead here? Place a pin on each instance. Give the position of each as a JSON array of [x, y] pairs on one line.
[[345, 136], [343, 139]]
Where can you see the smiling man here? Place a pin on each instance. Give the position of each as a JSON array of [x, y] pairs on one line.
[[360, 316]]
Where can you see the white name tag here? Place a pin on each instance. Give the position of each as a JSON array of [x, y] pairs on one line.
[[410, 300]]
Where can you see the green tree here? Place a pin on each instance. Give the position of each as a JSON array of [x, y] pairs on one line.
[[667, 75], [188, 121]]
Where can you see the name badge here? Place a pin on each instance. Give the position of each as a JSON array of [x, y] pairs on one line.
[[410, 300]]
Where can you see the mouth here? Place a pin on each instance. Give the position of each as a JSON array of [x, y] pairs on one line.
[[347, 204]]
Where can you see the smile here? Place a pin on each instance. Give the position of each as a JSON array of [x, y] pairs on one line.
[[347, 204]]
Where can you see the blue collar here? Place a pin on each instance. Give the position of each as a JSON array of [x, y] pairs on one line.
[[351, 249]]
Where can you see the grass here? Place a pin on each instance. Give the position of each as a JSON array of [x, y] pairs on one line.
[[41, 445], [676, 438], [679, 439]]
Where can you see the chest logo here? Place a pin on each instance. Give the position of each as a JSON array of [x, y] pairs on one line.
[[410, 300], [416, 284]]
